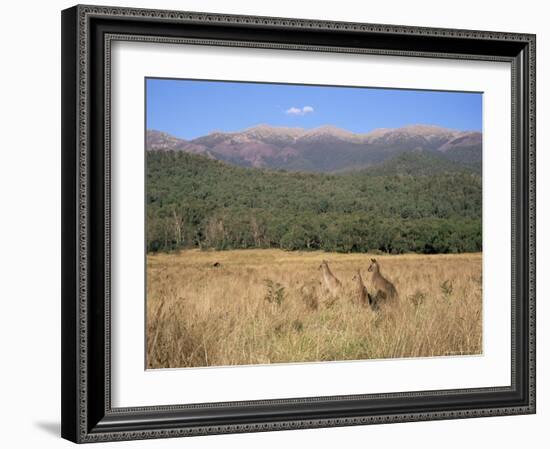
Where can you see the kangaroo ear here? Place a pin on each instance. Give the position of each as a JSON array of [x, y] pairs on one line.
[[373, 260]]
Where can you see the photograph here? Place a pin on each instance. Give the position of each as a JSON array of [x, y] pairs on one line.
[[300, 223]]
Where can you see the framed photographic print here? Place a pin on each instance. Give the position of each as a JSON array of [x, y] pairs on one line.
[[275, 224]]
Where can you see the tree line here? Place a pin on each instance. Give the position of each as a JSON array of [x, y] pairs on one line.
[[196, 202]]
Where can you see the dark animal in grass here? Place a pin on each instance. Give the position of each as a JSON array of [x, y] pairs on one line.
[[385, 291]]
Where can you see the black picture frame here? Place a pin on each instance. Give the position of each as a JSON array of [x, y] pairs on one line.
[[87, 414]]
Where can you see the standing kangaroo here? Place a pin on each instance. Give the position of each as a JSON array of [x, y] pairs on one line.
[[384, 289], [331, 282], [361, 294]]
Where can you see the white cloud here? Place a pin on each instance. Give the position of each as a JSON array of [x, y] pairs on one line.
[[299, 111], [293, 111]]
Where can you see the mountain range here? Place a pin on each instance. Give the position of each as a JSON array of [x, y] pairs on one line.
[[331, 149]]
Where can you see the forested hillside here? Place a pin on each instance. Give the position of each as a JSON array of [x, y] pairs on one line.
[[194, 201]]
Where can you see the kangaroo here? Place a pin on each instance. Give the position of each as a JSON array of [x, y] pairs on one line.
[[331, 282], [384, 289], [362, 295]]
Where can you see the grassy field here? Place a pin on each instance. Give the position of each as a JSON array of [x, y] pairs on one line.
[[267, 306]]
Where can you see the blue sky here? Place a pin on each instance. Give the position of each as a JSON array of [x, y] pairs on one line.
[[190, 108]]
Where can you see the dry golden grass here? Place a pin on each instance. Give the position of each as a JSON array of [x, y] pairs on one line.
[[201, 315]]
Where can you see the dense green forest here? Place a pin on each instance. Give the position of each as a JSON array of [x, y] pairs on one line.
[[196, 202]]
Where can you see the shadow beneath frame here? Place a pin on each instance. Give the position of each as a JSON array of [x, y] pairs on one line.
[[53, 428]]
